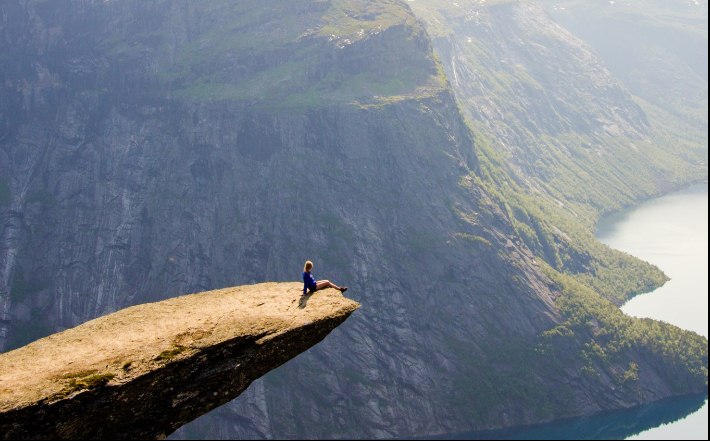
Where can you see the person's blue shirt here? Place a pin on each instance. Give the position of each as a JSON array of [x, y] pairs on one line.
[[309, 282]]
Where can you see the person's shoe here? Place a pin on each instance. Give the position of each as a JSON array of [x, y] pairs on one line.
[[343, 289]]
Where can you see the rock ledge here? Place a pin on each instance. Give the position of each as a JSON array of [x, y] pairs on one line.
[[146, 370]]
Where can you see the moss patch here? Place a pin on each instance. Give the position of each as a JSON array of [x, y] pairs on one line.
[[170, 354], [85, 380]]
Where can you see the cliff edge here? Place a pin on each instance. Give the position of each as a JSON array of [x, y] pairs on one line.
[[146, 370]]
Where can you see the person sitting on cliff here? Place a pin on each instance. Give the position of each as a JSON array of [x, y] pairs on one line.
[[310, 285]]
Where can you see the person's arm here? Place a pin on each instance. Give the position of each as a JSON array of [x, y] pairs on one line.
[[305, 282]]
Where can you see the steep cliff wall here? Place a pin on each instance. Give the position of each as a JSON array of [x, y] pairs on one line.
[[144, 371]]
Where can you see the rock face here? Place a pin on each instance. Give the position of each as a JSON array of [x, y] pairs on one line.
[[146, 370]]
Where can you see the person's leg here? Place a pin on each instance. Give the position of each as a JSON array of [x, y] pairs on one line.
[[322, 284]]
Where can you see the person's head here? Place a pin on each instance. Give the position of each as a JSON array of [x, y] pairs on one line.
[[308, 266]]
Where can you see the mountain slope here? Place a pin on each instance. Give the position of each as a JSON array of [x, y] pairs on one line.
[[658, 50], [571, 140]]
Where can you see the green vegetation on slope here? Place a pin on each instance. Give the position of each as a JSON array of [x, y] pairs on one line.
[[303, 54], [355, 19], [562, 233], [617, 358], [301, 69], [560, 142], [681, 356]]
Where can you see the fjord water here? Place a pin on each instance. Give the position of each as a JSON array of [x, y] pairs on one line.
[[672, 233]]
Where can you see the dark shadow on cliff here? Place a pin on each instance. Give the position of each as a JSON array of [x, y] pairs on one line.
[[303, 301], [605, 425]]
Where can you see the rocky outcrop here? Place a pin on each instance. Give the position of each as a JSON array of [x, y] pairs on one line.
[[144, 371]]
